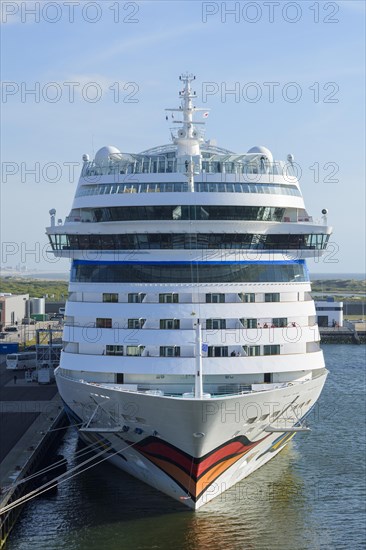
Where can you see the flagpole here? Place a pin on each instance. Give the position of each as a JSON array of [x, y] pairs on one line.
[[198, 388]]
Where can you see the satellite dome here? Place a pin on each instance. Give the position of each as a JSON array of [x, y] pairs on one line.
[[261, 150], [107, 153]]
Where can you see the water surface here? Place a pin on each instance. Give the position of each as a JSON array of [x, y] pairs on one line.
[[311, 496]]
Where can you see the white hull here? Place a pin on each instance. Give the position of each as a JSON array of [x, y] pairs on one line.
[[192, 450]]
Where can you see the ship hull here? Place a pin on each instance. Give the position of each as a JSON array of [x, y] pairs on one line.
[[192, 450]]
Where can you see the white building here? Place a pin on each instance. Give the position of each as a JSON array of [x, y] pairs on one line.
[[329, 313], [12, 308]]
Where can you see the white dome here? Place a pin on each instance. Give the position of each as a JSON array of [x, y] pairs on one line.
[[261, 150], [106, 153]]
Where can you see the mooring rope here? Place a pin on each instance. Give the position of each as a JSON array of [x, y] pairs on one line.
[[62, 478]]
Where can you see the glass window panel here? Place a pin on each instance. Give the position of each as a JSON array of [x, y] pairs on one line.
[[182, 273]]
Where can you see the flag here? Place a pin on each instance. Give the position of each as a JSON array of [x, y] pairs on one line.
[[205, 115], [204, 347]]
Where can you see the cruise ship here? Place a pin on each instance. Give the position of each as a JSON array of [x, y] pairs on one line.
[[191, 349]]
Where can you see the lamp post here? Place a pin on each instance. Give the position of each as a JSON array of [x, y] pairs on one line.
[[24, 326]]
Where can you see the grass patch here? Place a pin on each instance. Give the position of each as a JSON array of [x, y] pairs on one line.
[[339, 285], [56, 290]]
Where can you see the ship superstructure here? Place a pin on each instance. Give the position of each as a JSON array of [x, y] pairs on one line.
[[191, 348]]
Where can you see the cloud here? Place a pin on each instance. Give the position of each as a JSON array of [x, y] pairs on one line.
[[145, 41]]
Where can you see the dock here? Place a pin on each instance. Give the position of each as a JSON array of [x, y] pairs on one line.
[[350, 333], [30, 418]]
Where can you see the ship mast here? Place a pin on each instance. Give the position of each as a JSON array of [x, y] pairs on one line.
[[188, 138], [188, 155], [198, 386]]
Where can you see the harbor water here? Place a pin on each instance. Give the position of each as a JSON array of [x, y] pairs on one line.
[[311, 496]]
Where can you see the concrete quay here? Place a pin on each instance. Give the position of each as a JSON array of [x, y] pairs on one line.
[[348, 334], [29, 414]]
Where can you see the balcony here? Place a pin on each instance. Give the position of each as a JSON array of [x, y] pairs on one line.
[[189, 299]]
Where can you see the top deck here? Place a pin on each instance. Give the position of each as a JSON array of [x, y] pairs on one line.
[[164, 160]]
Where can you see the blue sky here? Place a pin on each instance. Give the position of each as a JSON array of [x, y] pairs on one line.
[[144, 46]]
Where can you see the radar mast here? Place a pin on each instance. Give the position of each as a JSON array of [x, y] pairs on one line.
[[187, 138]]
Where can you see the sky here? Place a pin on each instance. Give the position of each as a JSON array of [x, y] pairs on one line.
[[80, 75]]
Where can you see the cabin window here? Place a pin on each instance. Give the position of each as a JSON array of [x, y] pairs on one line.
[[215, 298], [271, 350], [103, 322], [215, 324], [169, 351], [169, 324], [169, 298], [272, 297], [114, 350], [108, 297]]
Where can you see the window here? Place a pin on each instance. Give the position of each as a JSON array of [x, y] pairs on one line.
[[267, 377], [218, 351], [110, 297], [169, 324], [102, 322], [168, 298], [249, 323], [136, 298], [215, 324], [247, 297], [205, 187], [271, 350], [135, 351], [252, 351], [226, 272], [215, 298], [280, 322], [114, 350], [146, 241], [135, 323], [272, 297], [169, 351]]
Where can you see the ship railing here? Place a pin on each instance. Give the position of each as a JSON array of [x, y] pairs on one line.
[[84, 217], [210, 391], [241, 356], [261, 324], [237, 186], [151, 301], [235, 389]]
